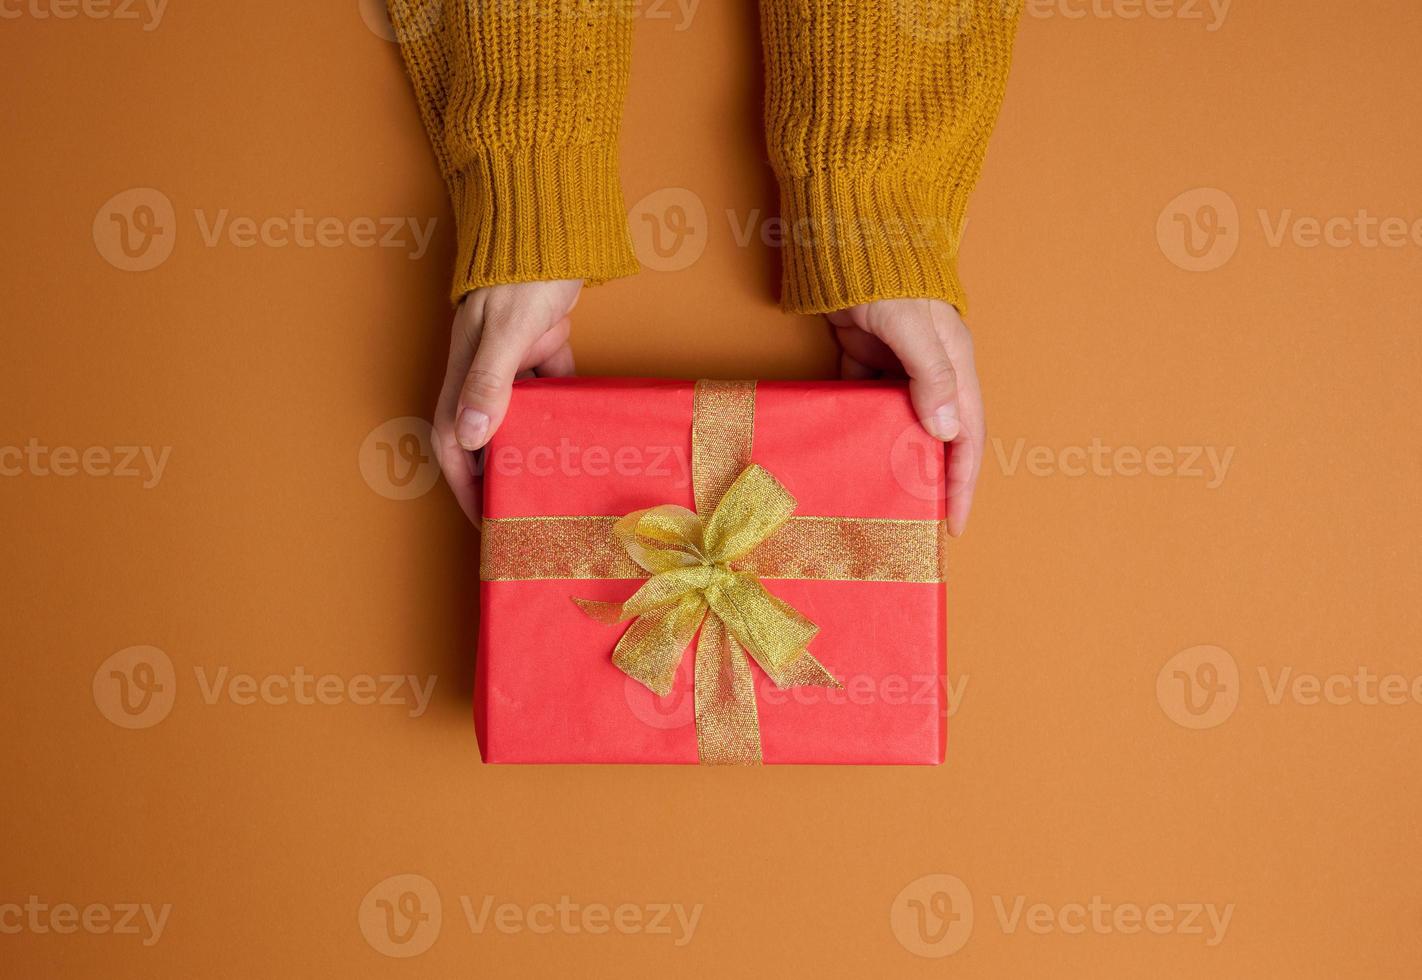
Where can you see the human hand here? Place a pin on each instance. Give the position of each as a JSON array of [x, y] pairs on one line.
[[500, 333], [926, 341]]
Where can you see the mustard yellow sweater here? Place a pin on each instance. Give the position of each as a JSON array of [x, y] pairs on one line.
[[877, 116]]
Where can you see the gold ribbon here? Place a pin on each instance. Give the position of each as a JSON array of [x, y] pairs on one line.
[[843, 549], [693, 587], [704, 572]]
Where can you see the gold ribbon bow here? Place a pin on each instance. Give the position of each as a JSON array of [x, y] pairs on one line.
[[706, 572], [695, 586]]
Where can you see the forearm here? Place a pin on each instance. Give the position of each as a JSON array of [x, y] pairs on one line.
[[878, 114], [522, 100]]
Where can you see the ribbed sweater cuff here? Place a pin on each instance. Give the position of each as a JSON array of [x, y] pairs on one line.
[[853, 238], [549, 213]]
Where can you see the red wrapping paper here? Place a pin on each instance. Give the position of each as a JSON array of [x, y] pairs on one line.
[[546, 690]]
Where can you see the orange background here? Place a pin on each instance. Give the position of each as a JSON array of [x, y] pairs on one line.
[[1071, 772]]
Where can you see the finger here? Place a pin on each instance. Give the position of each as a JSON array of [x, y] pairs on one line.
[[853, 370], [867, 349], [454, 462], [933, 383], [547, 344], [484, 393], [965, 453], [461, 472], [558, 364]]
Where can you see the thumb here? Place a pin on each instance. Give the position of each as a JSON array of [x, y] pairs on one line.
[[484, 396], [933, 383]]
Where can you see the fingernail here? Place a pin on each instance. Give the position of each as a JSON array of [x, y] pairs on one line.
[[943, 424], [470, 428]]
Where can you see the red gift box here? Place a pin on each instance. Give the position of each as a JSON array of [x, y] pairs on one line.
[[546, 687]]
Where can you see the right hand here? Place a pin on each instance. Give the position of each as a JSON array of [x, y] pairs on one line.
[[926, 341], [500, 333]]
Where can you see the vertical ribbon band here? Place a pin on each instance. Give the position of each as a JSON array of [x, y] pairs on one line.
[[722, 434]]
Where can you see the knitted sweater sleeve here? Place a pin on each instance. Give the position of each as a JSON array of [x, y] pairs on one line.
[[877, 118], [522, 100]]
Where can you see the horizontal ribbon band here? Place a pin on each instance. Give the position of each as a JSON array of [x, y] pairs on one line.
[[863, 549]]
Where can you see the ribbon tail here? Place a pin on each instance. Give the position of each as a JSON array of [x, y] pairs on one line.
[[607, 613], [727, 725], [802, 671], [772, 629], [653, 645]]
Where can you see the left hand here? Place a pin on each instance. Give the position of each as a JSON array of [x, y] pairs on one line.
[[926, 341]]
